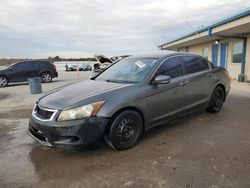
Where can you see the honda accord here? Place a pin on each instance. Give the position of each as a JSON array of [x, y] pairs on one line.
[[127, 99]]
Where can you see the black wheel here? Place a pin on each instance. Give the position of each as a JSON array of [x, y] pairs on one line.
[[125, 130], [3, 81], [46, 77], [217, 100]]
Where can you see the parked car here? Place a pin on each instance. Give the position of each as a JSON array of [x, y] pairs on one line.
[[71, 68], [21, 71], [104, 62], [127, 99], [104, 66], [85, 67]]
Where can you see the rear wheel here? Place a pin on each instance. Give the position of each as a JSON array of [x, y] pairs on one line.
[[46, 77], [3, 81], [217, 100], [125, 130]]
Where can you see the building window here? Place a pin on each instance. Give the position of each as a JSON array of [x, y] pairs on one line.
[[205, 53], [237, 52]]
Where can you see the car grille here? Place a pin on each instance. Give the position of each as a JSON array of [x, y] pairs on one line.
[[36, 133], [44, 114]]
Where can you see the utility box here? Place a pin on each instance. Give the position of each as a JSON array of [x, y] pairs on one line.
[[241, 77], [35, 85]]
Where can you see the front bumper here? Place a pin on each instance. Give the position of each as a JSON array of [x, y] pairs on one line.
[[75, 134]]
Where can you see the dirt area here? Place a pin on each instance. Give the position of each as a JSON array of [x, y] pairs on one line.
[[201, 150], [5, 62]]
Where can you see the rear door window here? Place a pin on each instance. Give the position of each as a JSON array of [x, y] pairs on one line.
[[43, 63], [205, 64], [32, 65], [194, 64], [171, 67]]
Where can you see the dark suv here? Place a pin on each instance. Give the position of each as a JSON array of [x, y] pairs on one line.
[[21, 71]]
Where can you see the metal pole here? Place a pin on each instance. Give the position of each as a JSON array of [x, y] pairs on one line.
[[78, 73]]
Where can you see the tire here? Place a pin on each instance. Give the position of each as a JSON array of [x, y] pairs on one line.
[[3, 81], [217, 100], [125, 130], [46, 77]]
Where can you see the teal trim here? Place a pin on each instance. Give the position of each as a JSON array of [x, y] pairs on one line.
[[244, 55], [209, 28], [210, 32], [223, 54]]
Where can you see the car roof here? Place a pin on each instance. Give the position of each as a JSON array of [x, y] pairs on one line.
[[160, 54], [31, 61]]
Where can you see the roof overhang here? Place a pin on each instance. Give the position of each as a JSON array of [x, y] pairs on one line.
[[233, 29]]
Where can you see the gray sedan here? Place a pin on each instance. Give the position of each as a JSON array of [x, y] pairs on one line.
[[127, 99]]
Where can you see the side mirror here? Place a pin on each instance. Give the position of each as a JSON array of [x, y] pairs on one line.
[[161, 79], [10, 69]]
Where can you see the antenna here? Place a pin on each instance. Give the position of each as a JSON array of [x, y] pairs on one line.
[[189, 25]]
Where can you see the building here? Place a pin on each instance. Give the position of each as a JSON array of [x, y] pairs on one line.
[[225, 43]]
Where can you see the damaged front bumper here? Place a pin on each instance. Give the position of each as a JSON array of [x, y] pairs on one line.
[[75, 134]]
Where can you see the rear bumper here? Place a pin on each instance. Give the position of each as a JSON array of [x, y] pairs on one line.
[[75, 135], [55, 74]]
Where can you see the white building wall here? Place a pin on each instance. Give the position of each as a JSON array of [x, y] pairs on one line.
[[197, 49], [247, 66], [233, 68]]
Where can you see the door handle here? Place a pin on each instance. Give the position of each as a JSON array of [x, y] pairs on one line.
[[182, 83], [209, 74]]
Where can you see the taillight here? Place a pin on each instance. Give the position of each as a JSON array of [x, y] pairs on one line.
[[53, 68]]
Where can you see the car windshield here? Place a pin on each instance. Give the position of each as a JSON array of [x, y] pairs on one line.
[[132, 70]]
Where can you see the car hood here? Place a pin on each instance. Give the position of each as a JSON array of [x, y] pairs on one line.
[[78, 94], [3, 68]]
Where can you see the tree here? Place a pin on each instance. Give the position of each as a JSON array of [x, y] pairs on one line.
[[57, 58], [50, 59]]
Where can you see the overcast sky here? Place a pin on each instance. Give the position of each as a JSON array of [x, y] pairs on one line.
[[80, 28]]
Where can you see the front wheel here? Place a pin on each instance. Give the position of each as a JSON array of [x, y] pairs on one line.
[[217, 100], [125, 130], [3, 81], [46, 77]]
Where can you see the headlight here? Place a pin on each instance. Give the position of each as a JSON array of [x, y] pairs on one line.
[[81, 112]]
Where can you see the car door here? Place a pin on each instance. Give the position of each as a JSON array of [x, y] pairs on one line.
[[32, 69], [17, 72], [165, 101], [200, 82]]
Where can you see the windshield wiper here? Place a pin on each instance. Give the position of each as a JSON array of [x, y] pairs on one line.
[[120, 81], [111, 81]]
